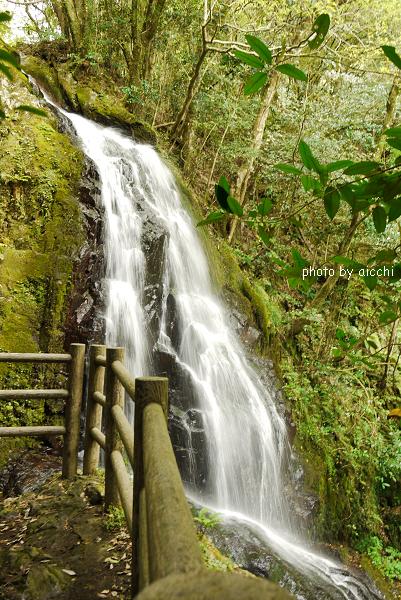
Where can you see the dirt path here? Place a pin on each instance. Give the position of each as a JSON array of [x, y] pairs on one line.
[[54, 544]]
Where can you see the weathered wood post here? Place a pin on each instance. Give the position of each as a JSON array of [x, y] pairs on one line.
[[147, 390], [73, 411], [93, 410], [114, 396]]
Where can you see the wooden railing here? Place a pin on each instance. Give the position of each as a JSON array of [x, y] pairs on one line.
[[73, 397], [167, 563]]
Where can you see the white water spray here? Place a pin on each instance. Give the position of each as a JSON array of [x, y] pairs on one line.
[[247, 444]]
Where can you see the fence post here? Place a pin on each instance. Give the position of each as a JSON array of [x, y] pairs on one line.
[[93, 410], [114, 395], [73, 411], [147, 390]]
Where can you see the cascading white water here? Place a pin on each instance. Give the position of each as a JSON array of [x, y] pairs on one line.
[[247, 444]]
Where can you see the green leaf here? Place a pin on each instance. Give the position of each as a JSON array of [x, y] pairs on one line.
[[338, 165], [394, 143], [370, 281], [4, 17], [260, 48], [387, 316], [392, 55], [320, 27], [6, 71], [348, 262], [291, 272], [2, 114], [288, 169], [264, 236], [9, 58], [299, 261], [362, 168], [379, 219], [395, 209], [385, 256], [234, 206], [32, 109], [221, 196], [265, 206], [249, 59], [212, 218], [393, 131], [224, 184], [307, 157], [292, 71], [310, 183], [396, 276], [255, 83], [331, 202]]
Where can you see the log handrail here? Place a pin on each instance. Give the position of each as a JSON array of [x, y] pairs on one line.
[[73, 397]]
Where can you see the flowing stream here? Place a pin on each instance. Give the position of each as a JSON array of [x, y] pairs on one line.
[[247, 453]]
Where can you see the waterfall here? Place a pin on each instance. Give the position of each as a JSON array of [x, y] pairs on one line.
[[246, 445]]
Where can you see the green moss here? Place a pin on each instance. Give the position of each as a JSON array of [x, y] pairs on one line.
[[45, 75]]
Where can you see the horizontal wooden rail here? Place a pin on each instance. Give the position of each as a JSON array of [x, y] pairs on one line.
[[99, 398], [124, 485], [125, 378], [37, 431], [125, 430], [100, 360], [33, 394], [38, 357], [98, 436]]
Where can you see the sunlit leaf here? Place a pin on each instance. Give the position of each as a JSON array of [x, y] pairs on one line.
[[249, 59], [31, 109], [288, 169], [6, 71], [292, 71], [255, 83], [260, 48], [320, 27], [307, 157], [338, 165], [234, 206], [212, 218]]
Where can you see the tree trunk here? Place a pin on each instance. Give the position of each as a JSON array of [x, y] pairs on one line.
[[258, 130], [393, 335], [389, 118]]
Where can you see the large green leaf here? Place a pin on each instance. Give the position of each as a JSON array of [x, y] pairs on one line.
[[338, 165], [394, 143], [288, 169], [265, 206], [331, 202], [393, 132], [6, 71], [234, 206], [291, 71], [387, 316], [362, 168], [255, 83], [224, 184], [4, 17], [9, 58], [211, 218], [264, 236], [32, 109], [392, 55], [379, 219], [307, 157], [260, 48], [320, 27], [395, 209], [310, 183], [371, 281], [249, 59]]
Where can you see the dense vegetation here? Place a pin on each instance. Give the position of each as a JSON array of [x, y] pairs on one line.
[[335, 339]]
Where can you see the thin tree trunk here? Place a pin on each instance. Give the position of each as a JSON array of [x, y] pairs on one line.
[[391, 107], [393, 335], [258, 130]]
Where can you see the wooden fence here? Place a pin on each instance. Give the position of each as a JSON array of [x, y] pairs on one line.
[[167, 563]]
